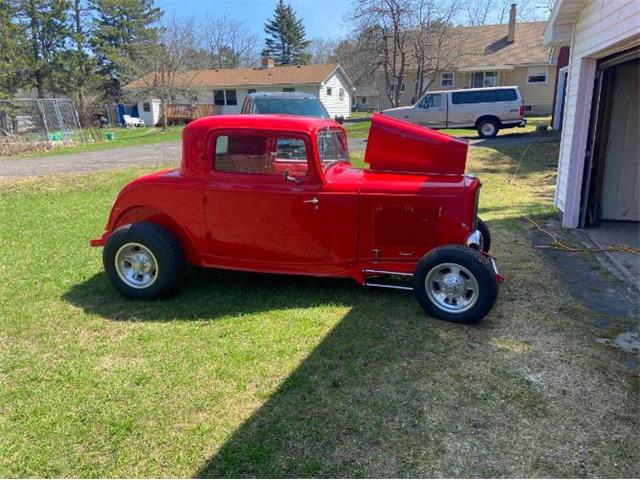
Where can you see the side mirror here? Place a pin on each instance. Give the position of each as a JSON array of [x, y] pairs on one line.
[[291, 178], [340, 119]]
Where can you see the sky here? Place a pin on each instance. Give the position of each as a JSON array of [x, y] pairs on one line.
[[322, 19]]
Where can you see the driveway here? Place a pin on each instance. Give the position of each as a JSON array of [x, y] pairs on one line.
[[154, 154], [169, 152]]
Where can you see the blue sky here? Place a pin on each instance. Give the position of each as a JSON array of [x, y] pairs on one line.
[[322, 19]]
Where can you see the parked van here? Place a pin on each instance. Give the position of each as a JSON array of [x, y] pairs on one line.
[[485, 109]]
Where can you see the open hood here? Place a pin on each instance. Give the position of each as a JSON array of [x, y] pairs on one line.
[[398, 145]]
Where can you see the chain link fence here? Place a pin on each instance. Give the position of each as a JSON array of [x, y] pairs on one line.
[[34, 124]]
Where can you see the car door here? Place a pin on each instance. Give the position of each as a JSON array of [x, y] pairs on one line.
[[252, 213], [430, 111]]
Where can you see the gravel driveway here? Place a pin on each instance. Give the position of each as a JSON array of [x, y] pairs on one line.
[[163, 153], [155, 154]]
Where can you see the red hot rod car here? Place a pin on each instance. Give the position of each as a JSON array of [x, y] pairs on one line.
[[277, 194]]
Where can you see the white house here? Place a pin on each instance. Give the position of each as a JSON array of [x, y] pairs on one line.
[[599, 165], [227, 88]]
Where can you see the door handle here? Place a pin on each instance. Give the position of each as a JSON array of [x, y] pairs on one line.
[[313, 201]]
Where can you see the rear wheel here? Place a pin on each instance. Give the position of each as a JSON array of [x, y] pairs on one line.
[[488, 127], [456, 283], [143, 260], [486, 235]]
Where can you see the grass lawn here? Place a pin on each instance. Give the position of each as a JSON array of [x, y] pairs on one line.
[[123, 137], [256, 375], [361, 129]]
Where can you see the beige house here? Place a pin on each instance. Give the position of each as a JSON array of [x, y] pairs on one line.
[[491, 56]]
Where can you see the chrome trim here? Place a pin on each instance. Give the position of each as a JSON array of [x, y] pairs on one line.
[[474, 240], [380, 285], [386, 272]]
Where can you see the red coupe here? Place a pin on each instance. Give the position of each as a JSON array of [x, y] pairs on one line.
[[277, 194]]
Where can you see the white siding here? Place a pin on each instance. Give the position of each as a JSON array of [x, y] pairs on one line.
[[152, 117], [336, 106], [602, 28]]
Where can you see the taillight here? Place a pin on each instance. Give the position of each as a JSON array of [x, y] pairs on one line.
[[521, 113]]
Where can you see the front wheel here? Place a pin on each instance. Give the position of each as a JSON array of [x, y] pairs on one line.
[[456, 283], [143, 260]]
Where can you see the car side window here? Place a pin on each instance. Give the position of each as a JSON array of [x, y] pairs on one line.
[[432, 100], [261, 155]]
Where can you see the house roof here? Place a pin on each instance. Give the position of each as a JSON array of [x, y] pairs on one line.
[[289, 74], [487, 45], [560, 26]]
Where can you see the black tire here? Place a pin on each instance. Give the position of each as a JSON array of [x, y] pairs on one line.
[[474, 262], [486, 122], [163, 246], [486, 235]]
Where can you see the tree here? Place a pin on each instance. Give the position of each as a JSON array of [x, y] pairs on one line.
[[123, 31], [433, 47], [388, 23], [286, 38], [46, 29], [482, 12], [322, 51], [163, 65], [12, 47], [228, 43]]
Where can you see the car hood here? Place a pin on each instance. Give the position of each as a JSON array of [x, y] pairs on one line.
[[399, 146], [397, 110]]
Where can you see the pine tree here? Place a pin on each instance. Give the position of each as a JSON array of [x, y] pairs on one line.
[[12, 53], [45, 25], [123, 30], [286, 38]]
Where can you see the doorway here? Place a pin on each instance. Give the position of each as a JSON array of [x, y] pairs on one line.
[[612, 167]]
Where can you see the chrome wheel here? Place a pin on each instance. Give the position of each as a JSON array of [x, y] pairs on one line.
[[136, 265], [488, 129], [452, 287]]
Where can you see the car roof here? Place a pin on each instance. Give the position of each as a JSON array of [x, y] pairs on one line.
[[293, 123], [480, 89], [291, 95]]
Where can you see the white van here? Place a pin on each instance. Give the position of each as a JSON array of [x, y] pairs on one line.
[[485, 109]]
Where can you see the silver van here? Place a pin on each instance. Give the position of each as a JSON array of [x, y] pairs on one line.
[[485, 109]]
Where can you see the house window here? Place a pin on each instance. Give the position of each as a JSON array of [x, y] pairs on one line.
[[341, 93], [218, 97], [225, 97], [364, 100], [403, 87], [446, 79], [484, 79], [146, 107], [288, 89], [231, 97], [537, 75], [329, 91], [251, 90], [194, 98]]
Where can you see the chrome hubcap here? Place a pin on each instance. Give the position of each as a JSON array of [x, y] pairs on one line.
[[487, 128], [136, 265], [452, 287]]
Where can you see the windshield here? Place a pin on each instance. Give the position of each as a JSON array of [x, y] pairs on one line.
[[306, 107], [332, 145]]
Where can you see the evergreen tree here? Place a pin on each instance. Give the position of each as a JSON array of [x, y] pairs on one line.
[[45, 25], [286, 38], [123, 31], [12, 54]]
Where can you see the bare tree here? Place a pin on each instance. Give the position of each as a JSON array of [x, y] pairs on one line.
[[482, 12], [164, 65], [360, 55], [322, 51], [433, 45], [391, 20], [228, 43]]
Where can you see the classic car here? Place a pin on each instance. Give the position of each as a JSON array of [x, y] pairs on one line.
[[277, 194]]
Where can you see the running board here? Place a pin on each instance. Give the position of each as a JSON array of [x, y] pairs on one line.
[[394, 285]]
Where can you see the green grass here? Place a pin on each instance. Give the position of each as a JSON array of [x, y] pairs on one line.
[[361, 129], [256, 375], [123, 137]]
